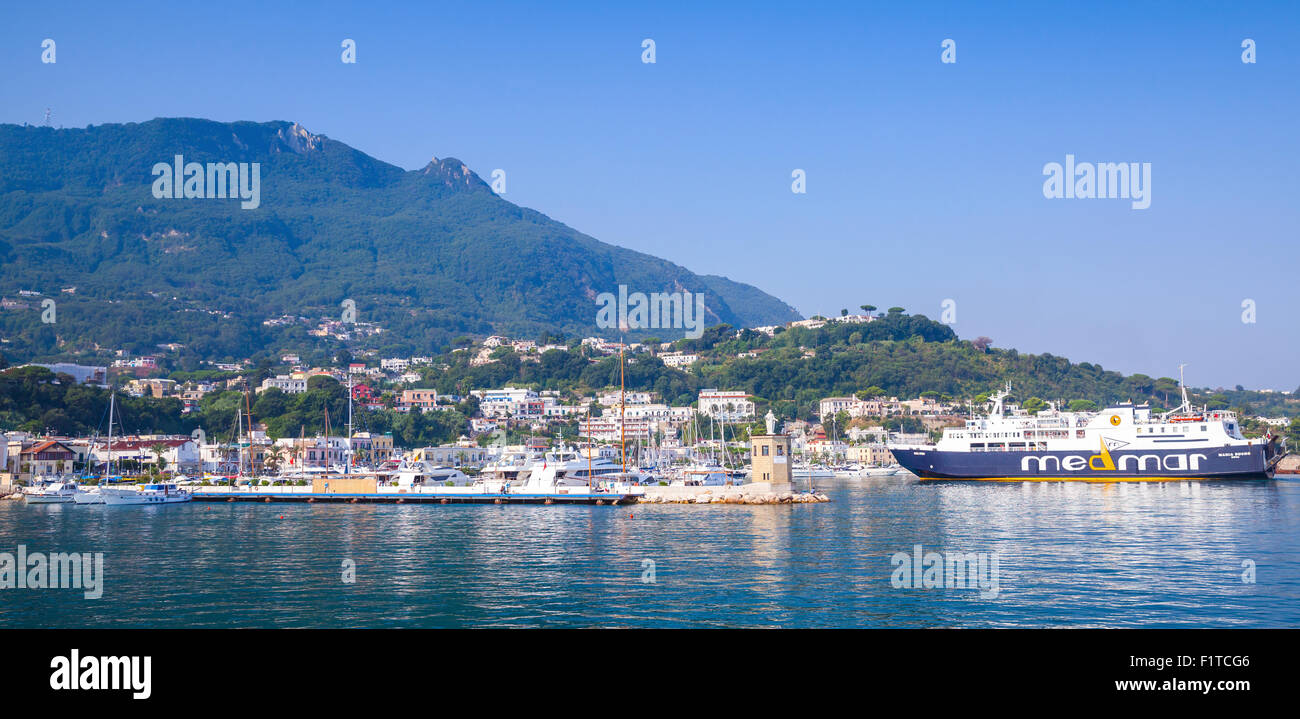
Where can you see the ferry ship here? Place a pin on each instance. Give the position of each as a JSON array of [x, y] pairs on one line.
[[1124, 442]]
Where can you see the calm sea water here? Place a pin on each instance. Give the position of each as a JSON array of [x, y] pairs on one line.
[[1072, 555]]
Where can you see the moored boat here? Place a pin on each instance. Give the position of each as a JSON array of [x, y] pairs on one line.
[[1122, 442], [155, 493], [59, 492], [88, 495]]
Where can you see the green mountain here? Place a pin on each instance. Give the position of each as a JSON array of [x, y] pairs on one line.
[[427, 255]]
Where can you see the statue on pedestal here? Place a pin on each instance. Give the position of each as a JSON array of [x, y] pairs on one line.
[[771, 422]]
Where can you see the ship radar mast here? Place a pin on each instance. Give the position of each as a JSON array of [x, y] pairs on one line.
[[997, 398], [1186, 406]]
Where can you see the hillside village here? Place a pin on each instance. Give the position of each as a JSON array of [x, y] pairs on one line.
[[478, 423], [851, 429]]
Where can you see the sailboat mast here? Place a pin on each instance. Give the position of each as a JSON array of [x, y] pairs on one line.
[[347, 467], [252, 468], [112, 403], [239, 445], [622, 405]]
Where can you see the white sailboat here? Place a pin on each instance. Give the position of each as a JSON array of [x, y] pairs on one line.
[[155, 493], [91, 495]]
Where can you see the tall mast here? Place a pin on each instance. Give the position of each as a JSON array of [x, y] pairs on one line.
[[239, 445], [347, 466], [248, 408], [112, 402], [622, 405], [713, 442]]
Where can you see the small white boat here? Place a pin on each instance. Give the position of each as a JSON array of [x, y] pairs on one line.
[[160, 493], [88, 496], [816, 471], [881, 471], [52, 493], [704, 475]]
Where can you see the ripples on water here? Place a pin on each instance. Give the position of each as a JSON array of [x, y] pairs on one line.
[[1071, 555]]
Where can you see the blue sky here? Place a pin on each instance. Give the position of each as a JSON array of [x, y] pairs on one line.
[[924, 179]]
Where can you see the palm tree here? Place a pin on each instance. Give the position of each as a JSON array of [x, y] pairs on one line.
[[158, 450], [274, 454]]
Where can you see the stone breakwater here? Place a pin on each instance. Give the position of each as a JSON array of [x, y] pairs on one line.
[[726, 495]]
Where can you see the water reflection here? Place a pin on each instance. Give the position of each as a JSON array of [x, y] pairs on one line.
[[1071, 554]]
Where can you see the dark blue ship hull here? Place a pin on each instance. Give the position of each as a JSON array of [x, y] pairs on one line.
[[1240, 462]]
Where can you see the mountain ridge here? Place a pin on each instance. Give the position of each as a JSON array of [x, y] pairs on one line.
[[426, 254]]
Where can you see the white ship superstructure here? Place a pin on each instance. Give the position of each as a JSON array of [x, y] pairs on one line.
[[1123, 441]]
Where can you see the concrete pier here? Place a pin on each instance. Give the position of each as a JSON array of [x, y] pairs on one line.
[[448, 496], [755, 493]]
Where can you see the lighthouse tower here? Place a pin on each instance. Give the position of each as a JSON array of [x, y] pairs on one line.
[[770, 460]]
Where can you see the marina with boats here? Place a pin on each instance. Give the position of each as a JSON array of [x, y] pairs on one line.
[[1123, 442]]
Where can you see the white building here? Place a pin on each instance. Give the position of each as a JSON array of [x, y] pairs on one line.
[[609, 429], [285, 384], [831, 406], [179, 454], [679, 359], [509, 402], [726, 406], [656, 413]]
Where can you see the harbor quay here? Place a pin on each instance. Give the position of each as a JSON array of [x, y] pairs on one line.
[[733, 494]]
